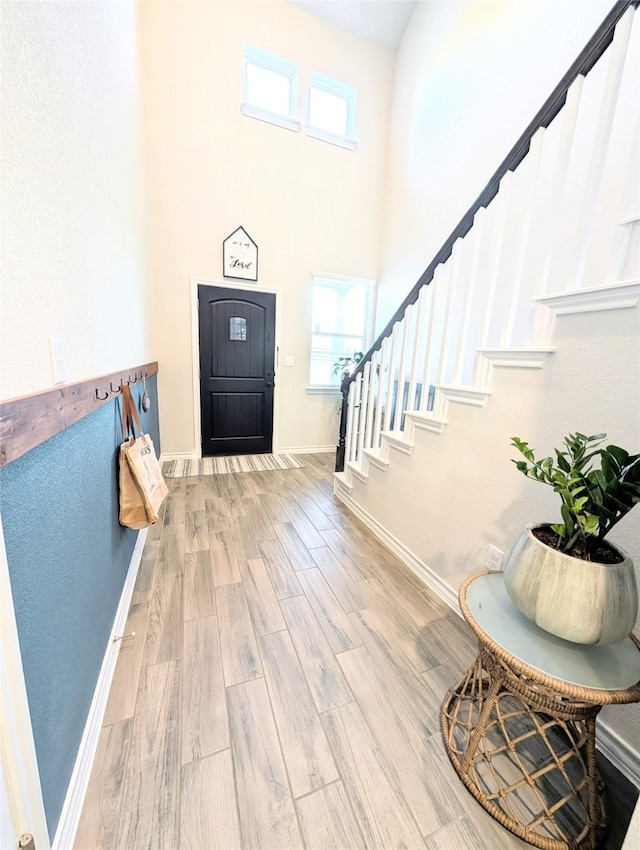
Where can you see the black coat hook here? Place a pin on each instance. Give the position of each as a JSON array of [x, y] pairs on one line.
[[101, 397], [117, 390]]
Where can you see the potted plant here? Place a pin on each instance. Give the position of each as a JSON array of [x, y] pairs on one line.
[[565, 576], [345, 365]]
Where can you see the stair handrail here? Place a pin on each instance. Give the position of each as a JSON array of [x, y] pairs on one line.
[[586, 59]]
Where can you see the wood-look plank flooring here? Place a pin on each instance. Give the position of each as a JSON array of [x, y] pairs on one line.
[[283, 686]]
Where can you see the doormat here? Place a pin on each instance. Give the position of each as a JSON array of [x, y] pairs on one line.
[[223, 465]]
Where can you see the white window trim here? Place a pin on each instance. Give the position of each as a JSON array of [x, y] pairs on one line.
[[331, 389], [322, 389], [271, 62], [343, 90]]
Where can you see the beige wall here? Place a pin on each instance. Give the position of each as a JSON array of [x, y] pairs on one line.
[[310, 206], [469, 78], [72, 205]]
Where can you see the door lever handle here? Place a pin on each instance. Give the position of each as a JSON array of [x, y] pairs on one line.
[[269, 384]]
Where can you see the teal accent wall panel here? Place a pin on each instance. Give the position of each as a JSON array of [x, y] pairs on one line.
[[68, 559]]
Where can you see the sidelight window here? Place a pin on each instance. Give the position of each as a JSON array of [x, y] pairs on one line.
[[340, 325]]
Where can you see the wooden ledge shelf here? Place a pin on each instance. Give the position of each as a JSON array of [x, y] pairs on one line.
[[29, 420]]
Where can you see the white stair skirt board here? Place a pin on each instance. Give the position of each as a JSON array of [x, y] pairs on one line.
[[617, 751], [74, 800], [357, 471], [223, 465], [375, 458]]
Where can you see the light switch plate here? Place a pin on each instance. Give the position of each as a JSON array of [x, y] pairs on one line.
[[58, 371], [289, 360]]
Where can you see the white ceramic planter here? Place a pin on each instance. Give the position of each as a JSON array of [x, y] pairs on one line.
[[580, 601]]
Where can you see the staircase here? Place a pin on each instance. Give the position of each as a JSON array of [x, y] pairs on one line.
[[555, 235]]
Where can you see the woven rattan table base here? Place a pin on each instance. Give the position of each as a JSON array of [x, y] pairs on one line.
[[526, 754]]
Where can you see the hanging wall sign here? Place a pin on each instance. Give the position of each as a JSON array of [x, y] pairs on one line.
[[240, 256]]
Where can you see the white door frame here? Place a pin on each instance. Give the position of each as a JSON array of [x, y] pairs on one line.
[[19, 775], [195, 346]]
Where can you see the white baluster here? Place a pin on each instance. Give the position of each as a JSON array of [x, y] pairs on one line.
[[432, 304], [357, 413], [382, 386], [558, 181], [351, 404], [503, 198], [391, 376], [417, 349], [363, 409], [618, 51], [625, 228], [477, 234], [371, 399], [406, 339], [451, 272], [533, 164]]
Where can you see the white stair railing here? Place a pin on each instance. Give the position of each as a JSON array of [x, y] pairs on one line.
[[481, 295]]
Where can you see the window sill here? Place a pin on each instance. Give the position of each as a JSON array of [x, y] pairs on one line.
[[323, 390], [339, 141], [270, 117]]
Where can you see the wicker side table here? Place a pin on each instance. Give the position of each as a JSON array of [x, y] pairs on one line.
[[520, 726]]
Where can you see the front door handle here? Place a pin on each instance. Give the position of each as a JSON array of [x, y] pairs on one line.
[[269, 385]]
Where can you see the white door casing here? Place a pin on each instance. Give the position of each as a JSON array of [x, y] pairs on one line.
[[195, 348]]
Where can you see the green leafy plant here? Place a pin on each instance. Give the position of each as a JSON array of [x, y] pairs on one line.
[[347, 363], [593, 499]]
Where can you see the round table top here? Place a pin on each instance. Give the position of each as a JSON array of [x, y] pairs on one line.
[[491, 614]]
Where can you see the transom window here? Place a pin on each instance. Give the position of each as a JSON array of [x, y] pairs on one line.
[[271, 94], [332, 107], [340, 325], [270, 88]]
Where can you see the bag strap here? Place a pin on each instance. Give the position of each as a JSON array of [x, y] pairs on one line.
[[129, 414]]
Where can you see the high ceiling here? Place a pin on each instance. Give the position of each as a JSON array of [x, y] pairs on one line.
[[382, 22]]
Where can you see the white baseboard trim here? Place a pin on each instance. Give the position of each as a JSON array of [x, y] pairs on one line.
[[307, 450], [425, 573], [618, 752], [178, 456], [70, 815]]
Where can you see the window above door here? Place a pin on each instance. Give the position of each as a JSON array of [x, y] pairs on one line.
[[271, 93], [270, 88]]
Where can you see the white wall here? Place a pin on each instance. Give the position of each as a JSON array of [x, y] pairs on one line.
[[307, 204], [458, 492], [72, 204], [470, 76]]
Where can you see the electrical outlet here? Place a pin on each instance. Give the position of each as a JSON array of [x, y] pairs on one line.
[[494, 558]]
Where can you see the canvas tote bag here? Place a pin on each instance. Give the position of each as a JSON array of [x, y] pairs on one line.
[[142, 487]]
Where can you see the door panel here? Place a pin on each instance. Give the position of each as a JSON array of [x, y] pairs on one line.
[[237, 345]]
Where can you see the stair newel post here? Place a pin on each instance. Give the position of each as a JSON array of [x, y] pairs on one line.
[[340, 448]]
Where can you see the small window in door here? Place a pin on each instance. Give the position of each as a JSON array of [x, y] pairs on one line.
[[237, 329]]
